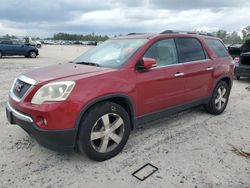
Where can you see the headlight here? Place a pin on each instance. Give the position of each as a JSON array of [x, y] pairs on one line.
[[55, 91]]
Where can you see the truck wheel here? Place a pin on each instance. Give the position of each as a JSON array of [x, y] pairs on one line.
[[104, 131], [32, 54], [219, 99]]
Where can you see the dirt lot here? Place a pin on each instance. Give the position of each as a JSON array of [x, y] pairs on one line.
[[190, 148]]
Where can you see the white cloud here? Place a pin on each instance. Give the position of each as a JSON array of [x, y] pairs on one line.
[[114, 16], [11, 29]]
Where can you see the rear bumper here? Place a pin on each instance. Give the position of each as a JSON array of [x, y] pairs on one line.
[[59, 140], [242, 71]]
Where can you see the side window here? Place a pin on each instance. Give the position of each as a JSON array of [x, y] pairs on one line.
[[16, 42], [6, 42], [218, 48], [164, 52], [189, 49]]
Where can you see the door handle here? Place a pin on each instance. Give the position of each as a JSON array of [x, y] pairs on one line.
[[178, 74], [210, 68]]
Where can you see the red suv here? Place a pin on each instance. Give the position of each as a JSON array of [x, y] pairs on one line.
[[93, 102]]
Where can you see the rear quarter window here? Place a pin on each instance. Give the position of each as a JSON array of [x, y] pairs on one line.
[[189, 49], [218, 47]]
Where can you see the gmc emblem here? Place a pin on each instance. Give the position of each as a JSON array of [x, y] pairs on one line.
[[18, 87]]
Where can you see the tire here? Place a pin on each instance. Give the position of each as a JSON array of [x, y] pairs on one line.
[[97, 139], [32, 54], [1, 54], [219, 99], [38, 45], [238, 77]]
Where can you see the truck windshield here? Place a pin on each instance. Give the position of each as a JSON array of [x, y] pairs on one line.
[[112, 53]]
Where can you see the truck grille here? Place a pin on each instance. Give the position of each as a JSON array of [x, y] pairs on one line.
[[20, 88]]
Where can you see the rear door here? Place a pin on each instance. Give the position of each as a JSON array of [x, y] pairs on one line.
[[163, 86], [18, 48], [198, 68], [7, 47]]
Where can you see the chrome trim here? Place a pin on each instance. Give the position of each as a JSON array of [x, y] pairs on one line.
[[189, 62], [209, 68], [12, 95], [27, 80], [23, 79], [196, 61], [179, 74], [19, 115]]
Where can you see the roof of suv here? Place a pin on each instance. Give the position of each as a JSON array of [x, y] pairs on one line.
[[165, 33]]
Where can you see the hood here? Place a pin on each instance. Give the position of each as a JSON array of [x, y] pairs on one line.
[[61, 71]]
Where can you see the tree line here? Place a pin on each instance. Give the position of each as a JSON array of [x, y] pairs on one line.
[[233, 37], [227, 37], [77, 37]]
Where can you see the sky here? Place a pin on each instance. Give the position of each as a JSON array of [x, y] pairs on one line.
[[43, 18]]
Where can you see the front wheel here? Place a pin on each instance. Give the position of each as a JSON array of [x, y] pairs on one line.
[[32, 54], [104, 131], [219, 99]]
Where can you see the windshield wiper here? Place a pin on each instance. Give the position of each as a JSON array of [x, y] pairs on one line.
[[88, 63]]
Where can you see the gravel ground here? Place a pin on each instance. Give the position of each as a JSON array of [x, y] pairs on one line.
[[189, 148]]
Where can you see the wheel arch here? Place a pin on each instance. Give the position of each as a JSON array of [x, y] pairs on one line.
[[121, 99], [32, 50], [227, 79]]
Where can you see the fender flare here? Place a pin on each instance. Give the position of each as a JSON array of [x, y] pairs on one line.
[[128, 99], [221, 78]]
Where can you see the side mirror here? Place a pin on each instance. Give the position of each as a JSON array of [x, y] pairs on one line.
[[146, 63]]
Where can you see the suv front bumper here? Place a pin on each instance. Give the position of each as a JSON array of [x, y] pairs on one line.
[[59, 140]]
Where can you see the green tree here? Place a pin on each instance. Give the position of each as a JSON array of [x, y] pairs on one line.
[[75, 37], [233, 38], [246, 33], [222, 34]]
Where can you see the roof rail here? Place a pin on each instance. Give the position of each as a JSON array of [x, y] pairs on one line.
[[186, 32], [136, 34]]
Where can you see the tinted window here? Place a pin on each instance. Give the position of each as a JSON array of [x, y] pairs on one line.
[[189, 49], [6, 42], [17, 42], [218, 48], [164, 52]]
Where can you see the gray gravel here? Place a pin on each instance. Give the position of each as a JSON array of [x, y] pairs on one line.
[[189, 148]]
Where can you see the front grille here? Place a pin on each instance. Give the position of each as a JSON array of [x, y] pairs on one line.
[[20, 88]]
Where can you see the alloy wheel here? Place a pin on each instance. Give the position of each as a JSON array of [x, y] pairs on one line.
[[32, 54], [221, 98], [107, 133]]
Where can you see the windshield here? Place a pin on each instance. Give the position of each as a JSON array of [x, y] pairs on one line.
[[112, 53]]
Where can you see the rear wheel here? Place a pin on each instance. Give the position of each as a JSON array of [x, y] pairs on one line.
[[32, 54], [104, 131], [219, 98], [1, 55]]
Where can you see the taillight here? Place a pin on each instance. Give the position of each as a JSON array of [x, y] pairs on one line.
[[237, 61]]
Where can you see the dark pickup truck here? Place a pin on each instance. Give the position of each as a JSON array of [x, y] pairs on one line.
[[242, 68], [241, 56]]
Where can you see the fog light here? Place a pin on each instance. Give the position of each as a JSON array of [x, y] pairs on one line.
[[41, 122]]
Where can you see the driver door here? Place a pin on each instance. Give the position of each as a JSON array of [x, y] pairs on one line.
[[164, 86]]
